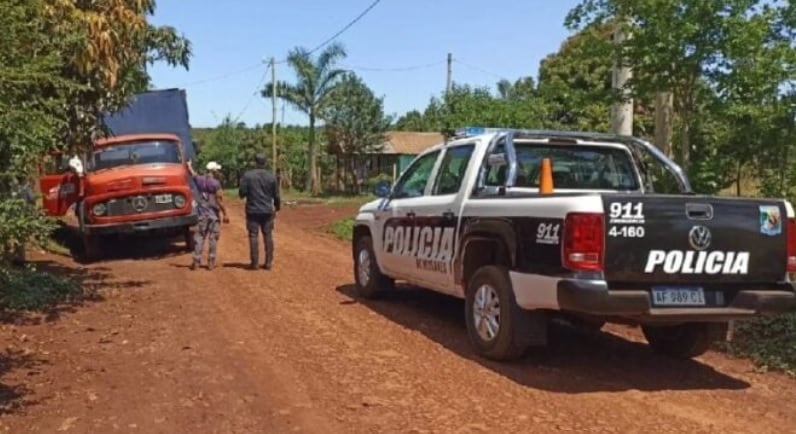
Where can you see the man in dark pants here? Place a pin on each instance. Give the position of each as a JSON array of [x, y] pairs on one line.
[[261, 191]]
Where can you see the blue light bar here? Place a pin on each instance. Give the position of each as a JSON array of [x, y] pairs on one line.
[[475, 131]]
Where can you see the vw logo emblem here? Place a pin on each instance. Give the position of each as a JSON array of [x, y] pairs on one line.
[[699, 237], [139, 203]]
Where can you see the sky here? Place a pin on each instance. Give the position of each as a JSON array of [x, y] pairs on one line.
[[399, 48]]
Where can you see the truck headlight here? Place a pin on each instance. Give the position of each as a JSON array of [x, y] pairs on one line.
[[179, 201], [99, 209]]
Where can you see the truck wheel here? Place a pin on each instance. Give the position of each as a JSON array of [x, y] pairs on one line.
[[92, 248], [190, 242], [370, 282], [683, 341], [497, 327]]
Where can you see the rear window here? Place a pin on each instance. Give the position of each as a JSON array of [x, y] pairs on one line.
[[574, 167]]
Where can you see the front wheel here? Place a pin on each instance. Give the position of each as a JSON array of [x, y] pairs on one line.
[[497, 327], [370, 282], [683, 341]]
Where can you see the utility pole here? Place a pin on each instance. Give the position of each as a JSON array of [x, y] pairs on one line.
[[622, 111], [448, 83], [273, 114], [449, 77]]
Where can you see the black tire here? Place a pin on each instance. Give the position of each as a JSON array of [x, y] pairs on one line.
[[683, 341], [92, 248], [376, 283], [517, 327], [190, 242]]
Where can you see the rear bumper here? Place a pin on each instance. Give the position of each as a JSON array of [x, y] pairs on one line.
[[593, 297], [143, 226]]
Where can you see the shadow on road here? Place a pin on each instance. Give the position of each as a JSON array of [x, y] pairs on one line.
[[121, 247], [12, 397], [571, 363], [91, 281]]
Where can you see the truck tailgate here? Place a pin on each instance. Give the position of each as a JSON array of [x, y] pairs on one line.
[[694, 239]]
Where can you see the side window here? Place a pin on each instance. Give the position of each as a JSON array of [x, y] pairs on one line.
[[413, 182], [496, 175], [451, 171]]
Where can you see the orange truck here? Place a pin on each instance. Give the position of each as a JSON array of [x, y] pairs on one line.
[[131, 183]]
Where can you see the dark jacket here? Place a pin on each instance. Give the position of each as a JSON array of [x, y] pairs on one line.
[[261, 191]]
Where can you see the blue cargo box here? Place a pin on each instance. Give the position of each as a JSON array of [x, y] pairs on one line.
[[157, 111]]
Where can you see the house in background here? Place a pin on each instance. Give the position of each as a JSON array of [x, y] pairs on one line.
[[400, 148]]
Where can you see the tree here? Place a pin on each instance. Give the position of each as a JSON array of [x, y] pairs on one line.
[[315, 79], [355, 122], [110, 45], [682, 46]]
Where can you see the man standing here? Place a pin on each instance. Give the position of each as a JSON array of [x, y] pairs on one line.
[[261, 191], [209, 203]]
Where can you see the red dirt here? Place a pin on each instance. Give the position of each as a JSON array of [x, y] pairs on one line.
[[168, 350]]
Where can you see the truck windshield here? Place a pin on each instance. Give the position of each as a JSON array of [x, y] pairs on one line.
[[132, 153], [578, 167]]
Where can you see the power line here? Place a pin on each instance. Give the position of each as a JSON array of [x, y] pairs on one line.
[[475, 68], [398, 69], [254, 95], [222, 76], [347, 26]]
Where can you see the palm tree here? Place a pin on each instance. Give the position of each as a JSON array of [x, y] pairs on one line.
[[315, 79]]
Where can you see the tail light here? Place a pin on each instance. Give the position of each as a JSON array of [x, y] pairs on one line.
[[791, 245], [584, 243]]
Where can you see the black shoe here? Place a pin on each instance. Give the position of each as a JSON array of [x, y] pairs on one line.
[[194, 265], [211, 265], [267, 266], [252, 267]]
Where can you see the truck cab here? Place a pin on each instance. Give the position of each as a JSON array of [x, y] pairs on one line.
[[127, 184], [529, 225]]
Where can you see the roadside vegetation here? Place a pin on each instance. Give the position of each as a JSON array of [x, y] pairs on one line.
[[724, 90]]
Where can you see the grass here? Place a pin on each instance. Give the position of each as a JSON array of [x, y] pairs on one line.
[[30, 289], [306, 198], [343, 228], [770, 342]]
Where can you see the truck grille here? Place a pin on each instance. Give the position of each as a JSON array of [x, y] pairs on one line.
[[140, 203]]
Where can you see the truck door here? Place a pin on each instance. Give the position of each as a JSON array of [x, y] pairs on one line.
[[437, 221], [396, 217], [58, 185]]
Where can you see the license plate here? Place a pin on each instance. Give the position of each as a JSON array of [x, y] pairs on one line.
[[678, 296], [163, 198]]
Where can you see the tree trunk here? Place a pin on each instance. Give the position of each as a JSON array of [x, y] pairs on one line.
[[685, 142], [664, 110], [309, 181], [354, 177], [738, 177]]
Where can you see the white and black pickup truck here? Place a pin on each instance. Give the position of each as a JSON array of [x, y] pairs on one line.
[[608, 244]]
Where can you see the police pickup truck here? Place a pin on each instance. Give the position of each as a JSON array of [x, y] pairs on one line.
[[528, 226]]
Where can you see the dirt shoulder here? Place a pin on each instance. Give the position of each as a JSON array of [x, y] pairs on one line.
[[170, 350]]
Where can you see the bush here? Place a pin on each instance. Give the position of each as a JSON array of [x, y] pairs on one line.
[[28, 289], [769, 341], [343, 229]]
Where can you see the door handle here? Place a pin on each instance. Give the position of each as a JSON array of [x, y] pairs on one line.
[[447, 215]]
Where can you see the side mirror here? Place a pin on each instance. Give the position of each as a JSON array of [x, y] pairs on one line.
[[382, 189]]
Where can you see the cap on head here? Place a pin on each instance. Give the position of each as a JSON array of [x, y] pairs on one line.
[[260, 159], [213, 166]]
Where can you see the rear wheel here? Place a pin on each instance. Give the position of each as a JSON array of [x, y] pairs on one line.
[[190, 242], [370, 282], [497, 327], [684, 341]]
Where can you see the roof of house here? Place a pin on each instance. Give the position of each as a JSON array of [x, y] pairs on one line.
[[410, 142]]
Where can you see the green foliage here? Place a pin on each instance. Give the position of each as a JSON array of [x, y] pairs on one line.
[[343, 229], [315, 79], [355, 122], [29, 289], [769, 341]]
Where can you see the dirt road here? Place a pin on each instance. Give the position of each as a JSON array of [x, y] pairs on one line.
[[168, 350]]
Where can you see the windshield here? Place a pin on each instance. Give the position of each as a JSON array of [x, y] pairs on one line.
[[579, 167], [131, 153]]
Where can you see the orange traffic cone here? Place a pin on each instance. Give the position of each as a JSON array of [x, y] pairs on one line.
[[546, 177]]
